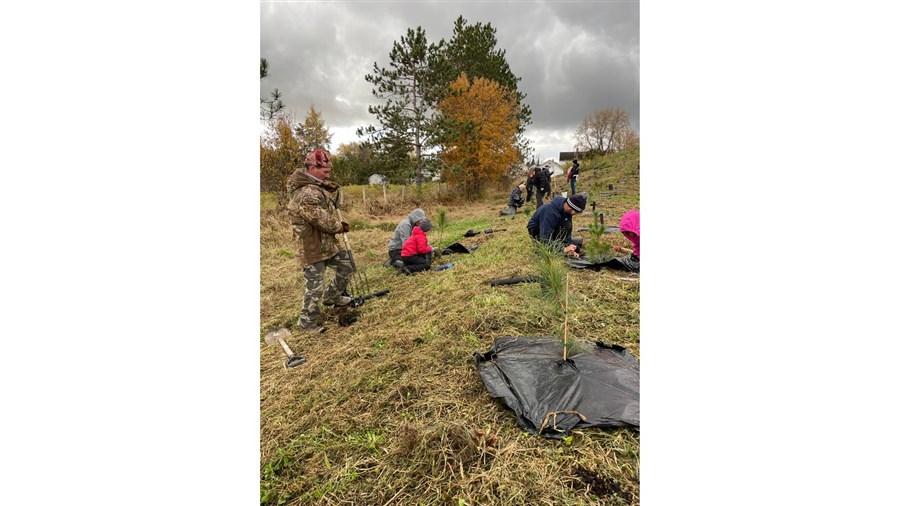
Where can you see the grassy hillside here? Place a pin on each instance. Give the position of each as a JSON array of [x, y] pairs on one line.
[[391, 410]]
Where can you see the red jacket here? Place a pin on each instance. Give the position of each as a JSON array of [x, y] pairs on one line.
[[417, 244]]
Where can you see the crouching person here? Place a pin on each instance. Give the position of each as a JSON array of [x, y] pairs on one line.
[[416, 253], [630, 226], [515, 201], [401, 234]]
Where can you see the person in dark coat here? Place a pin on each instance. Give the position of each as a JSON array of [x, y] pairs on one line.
[[552, 224], [529, 186], [515, 201], [541, 184], [573, 174]]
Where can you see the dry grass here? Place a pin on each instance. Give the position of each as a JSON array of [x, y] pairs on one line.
[[391, 410]]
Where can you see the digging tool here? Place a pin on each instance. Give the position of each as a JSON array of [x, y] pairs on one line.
[[358, 301], [293, 360], [359, 283]]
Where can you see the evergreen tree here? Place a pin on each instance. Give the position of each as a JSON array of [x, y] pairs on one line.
[[269, 108], [410, 90]]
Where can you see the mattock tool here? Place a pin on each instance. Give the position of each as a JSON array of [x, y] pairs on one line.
[[293, 360]]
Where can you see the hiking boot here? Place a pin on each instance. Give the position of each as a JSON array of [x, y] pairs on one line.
[[341, 302], [311, 330], [398, 264]]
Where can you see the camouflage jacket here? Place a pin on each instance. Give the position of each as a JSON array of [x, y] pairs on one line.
[[313, 217]]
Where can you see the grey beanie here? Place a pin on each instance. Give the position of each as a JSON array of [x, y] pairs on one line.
[[425, 224]]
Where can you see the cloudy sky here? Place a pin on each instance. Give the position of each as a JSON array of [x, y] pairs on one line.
[[574, 57]]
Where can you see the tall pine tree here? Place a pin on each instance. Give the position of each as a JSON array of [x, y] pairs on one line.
[[410, 90]]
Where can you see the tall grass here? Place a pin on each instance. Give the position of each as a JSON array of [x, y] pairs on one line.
[[391, 410]]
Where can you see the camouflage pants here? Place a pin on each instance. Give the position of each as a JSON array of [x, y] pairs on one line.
[[315, 286]]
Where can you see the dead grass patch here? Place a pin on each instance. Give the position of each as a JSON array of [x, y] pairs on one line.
[[390, 409]]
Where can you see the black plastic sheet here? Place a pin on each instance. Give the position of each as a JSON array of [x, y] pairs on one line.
[[627, 263], [458, 248], [597, 387]]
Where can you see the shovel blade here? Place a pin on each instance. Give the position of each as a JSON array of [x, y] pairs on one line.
[[274, 335]]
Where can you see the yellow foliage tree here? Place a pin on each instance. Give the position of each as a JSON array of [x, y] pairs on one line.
[[482, 118], [277, 156], [312, 133]]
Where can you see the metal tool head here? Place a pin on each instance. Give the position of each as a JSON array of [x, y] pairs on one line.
[[295, 360], [273, 336]]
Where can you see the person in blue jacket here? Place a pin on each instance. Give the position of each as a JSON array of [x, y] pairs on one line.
[[552, 222]]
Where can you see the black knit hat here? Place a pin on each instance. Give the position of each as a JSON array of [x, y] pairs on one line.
[[577, 202]]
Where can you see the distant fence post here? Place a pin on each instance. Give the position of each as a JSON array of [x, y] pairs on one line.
[[364, 198], [384, 191]]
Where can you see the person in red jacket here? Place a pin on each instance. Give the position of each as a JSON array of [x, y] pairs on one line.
[[416, 253]]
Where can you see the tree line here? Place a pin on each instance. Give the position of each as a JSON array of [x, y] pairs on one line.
[[451, 108]]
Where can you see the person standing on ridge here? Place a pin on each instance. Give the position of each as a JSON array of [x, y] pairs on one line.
[[573, 174], [541, 184]]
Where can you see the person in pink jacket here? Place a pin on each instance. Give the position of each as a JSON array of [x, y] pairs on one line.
[[416, 253], [630, 226]]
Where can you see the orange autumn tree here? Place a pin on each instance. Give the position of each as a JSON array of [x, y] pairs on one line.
[[481, 119]]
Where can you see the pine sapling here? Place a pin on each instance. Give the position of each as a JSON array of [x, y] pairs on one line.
[[554, 276], [441, 223], [596, 249]]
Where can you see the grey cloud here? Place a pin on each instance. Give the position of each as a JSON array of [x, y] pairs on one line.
[[573, 57]]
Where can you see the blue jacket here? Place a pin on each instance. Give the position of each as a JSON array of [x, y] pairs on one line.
[[551, 223]]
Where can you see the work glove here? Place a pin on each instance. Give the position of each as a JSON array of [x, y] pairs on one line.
[[345, 227]]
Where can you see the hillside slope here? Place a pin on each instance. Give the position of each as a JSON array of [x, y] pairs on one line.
[[391, 409]]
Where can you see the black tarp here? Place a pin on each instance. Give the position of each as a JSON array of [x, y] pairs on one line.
[[627, 263], [597, 387], [458, 248]]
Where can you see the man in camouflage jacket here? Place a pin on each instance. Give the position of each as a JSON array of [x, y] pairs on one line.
[[315, 225]]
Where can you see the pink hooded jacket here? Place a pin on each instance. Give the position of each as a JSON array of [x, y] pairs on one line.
[[631, 222]]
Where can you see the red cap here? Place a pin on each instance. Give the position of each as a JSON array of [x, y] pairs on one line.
[[318, 158]]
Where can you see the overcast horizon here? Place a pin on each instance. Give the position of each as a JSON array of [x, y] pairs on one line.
[[573, 58]]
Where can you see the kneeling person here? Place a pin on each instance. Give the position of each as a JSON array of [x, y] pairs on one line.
[[515, 201], [552, 223], [416, 253]]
